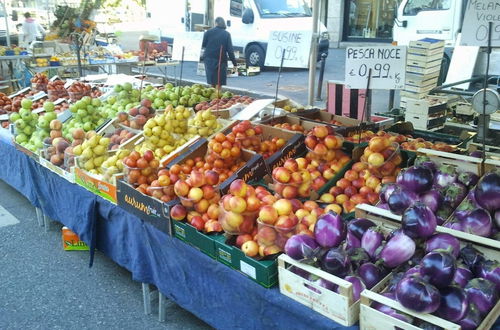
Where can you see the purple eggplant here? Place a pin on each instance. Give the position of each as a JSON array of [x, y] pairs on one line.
[[444, 211], [371, 240], [433, 199], [454, 304], [322, 283], [358, 256], [472, 319], [440, 220], [438, 267], [417, 295], [443, 241], [477, 222], [454, 194], [471, 257], [394, 281], [444, 176], [383, 206], [330, 230], [416, 178], [413, 271], [351, 241], [386, 191], [476, 154], [357, 286], [299, 271], [389, 311], [358, 227], [487, 192], [416, 258], [482, 293], [370, 273], [418, 221], [490, 270], [424, 161], [468, 179], [462, 276], [301, 247], [399, 249], [456, 225], [336, 262], [401, 199], [421, 324]]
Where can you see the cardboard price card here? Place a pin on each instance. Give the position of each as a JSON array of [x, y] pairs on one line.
[[387, 65], [191, 41], [295, 45], [475, 27]]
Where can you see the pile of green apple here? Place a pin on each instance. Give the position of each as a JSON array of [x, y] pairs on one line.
[[86, 114], [124, 98], [32, 129], [187, 96]]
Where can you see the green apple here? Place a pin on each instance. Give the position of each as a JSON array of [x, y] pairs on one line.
[[127, 86], [28, 130], [96, 102], [43, 123], [87, 126], [14, 116], [50, 116], [20, 124], [117, 88], [26, 104], [48, 106]]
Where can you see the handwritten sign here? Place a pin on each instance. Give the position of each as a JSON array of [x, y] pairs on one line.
[[387, 66], [191, 41], [296, 44], [475, 27]]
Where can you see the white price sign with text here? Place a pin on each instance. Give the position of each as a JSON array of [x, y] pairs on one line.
[[478, 14], [295, 44], [191, 41], [387, 66]]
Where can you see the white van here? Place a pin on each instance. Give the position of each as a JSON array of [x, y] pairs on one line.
[[248, 21]]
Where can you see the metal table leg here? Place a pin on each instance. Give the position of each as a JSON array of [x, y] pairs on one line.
[[162, 308], [149, 294], [39, 217]]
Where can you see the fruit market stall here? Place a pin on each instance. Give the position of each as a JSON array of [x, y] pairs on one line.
[[216, 211]]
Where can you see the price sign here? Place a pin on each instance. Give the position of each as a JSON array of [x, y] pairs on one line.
[[387, 66], [296, 44], [191, 41], [478, 14]]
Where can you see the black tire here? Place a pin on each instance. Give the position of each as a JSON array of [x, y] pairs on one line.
[[255, 56]]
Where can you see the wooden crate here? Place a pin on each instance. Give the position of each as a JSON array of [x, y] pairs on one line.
[[371, 319], [385, 216], [463, 163], [339, 307], [425, 121]]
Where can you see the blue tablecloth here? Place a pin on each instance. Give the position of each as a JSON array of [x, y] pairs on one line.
[[215, 293]]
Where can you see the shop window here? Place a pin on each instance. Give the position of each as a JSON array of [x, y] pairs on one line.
[[413, 7], [236, 8], [370, 18]]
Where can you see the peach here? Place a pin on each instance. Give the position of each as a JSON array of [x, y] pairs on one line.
[[296, 204], [309, 220], [327, 198], [208, 192], [268, 214], [238, 188], [248, 224], [213, 211], [331, 142], [195, 194], [253, 204], [282, 174], [311, 142], [320, 131], [302, 163], [283, 206], [301, 213], [181, 188], [198, 223], [237, 204], [234, 220], [286, 223], [213, 226], [296, 178], [196, 179], [242, 239], [178, 212], [266, 235], [212, 177], [270, 250], [201, 206], [289, 192], [225, 202], [310, 205], [320, 149], [269, 199], [250, 248], [291, 165]]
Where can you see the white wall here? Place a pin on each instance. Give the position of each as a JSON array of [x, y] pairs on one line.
[[335, 21]]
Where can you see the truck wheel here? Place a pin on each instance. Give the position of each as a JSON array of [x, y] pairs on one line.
[[255, 56]]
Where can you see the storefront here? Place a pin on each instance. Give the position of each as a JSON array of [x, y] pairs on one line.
[[370, 20]]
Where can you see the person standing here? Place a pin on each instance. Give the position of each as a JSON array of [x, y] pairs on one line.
[[217, 43], [32, 30]]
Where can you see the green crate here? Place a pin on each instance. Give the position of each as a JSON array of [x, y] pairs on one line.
[[264, 272], [187, 233]]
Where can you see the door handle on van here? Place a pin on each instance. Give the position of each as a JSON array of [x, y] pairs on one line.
[[228, 23], [182, 20]]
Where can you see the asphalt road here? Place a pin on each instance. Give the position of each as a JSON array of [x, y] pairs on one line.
[[293, 82], [44, 287]]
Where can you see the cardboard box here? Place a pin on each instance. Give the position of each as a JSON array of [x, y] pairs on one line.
[[264, 272], [68, 175], [187, 233], [255, 166], [26, 151], [343, 125], [93, 184], [71, 241], [145, 207]]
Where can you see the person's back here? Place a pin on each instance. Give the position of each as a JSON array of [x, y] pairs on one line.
[[215, 38]]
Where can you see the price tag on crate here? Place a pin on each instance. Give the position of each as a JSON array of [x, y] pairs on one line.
[[297, 46], [475, 27], [387, 66]]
